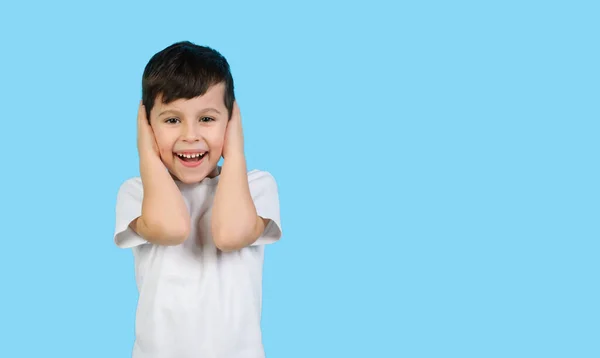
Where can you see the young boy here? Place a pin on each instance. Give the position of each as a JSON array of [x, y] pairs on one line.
[[197, 230]]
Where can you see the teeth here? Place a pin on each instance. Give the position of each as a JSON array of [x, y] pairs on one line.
[[190, 156]]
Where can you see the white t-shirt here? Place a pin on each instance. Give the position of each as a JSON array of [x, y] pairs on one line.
[[195, 300]]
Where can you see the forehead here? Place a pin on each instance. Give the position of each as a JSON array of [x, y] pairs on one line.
[[213, 98]]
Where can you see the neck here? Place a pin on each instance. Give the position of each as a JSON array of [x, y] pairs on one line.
[[215, 172]]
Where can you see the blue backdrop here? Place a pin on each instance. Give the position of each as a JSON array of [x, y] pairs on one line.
[[437, 165]]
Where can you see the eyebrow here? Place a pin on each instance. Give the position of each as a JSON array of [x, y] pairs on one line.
[[174, 111]]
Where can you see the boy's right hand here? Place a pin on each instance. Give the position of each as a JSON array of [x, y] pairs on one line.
[[164, 219], [146, 141]]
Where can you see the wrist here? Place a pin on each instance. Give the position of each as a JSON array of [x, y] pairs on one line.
[[234, 161], [234, 155], [150, 160]]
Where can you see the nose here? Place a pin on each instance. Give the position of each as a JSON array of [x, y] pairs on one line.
[[190, 132]]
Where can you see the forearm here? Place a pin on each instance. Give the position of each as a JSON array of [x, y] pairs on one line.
[[165, 218], [235, 223]]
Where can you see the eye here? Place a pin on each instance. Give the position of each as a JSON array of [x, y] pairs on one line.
[[206, 119], [171, 120]]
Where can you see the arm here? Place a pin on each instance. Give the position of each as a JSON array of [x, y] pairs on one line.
[[235, 222], [164, 219]]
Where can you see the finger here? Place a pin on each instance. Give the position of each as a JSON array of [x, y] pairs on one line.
[[141, 112], [236, 110]]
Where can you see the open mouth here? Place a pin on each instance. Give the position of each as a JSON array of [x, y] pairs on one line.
[[190, 159]]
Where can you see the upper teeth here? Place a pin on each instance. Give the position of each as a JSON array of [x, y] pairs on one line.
[[197, 155]]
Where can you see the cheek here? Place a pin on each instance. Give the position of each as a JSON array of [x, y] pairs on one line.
[[165, 143], [216, 140], [216, 145]]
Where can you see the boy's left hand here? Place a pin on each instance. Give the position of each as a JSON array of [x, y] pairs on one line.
[[234, 137]]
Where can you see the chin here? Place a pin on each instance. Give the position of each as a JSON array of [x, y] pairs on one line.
[[189, 179], [192, 175]]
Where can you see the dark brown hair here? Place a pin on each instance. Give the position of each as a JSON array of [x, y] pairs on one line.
[[185, 70]]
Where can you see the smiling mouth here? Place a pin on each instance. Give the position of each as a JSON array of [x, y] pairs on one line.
[[191, 157]]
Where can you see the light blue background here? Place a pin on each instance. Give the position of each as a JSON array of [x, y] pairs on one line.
[[437, 165]]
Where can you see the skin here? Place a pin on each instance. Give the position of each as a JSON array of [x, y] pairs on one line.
[[165, 219], [197, 125], [235, 223]]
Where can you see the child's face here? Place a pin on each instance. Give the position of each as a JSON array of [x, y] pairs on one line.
[[190, 134]]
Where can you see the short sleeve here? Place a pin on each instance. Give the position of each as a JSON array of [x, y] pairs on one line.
[[128, 208], [264, 191]]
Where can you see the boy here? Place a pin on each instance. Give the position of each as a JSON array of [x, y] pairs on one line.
[[197, 230]]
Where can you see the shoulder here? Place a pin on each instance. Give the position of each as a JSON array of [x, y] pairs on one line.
[[132, 181], [260, 178], [130, 186], [263, 186]]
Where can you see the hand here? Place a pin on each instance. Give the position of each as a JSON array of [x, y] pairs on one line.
[[146, 141], [234, 137]]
